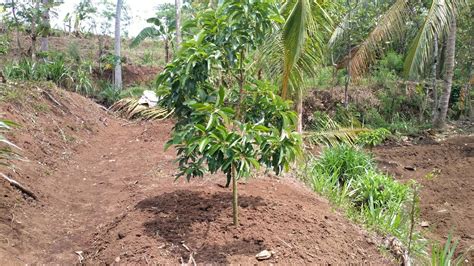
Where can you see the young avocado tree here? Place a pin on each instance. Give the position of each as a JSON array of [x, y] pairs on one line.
[[227, 120]]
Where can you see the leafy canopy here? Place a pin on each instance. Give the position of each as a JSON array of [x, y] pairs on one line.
[[226, 119]]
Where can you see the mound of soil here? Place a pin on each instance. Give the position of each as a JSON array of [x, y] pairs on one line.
[[328, 100], [132, 74], [106, 194], [196, 218], [445, 171]]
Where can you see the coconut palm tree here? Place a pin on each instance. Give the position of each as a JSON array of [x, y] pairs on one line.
[[439, 121], [296, 50], [437, 23]]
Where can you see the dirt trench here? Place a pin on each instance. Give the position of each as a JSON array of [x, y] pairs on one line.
[[107, 194]]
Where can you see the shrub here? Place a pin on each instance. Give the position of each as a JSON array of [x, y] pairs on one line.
[[108, 94], [82, 81], [373, 138], [4, 45], [343, 162]]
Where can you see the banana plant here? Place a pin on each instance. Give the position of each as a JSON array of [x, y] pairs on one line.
[[163, 28]]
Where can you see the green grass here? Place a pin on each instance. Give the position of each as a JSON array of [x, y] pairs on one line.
[[349, 178], [445, 255]]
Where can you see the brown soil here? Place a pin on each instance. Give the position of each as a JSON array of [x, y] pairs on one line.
[[445, 171], [106, 190], [132, 74]]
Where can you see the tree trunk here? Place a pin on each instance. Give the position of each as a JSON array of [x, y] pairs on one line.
[[118, 59], [178, 23], [167, 50], [46, 25], [434, 75], [440, 121], [34, 34], [17, 27], [349, 63], [299, 110], [235, 197]]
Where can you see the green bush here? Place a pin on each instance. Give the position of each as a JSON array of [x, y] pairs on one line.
[[23, 70], [373, 137], [4, 45], [108, 94], [392, 62]]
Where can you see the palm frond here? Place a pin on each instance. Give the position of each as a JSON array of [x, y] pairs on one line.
[[7, 147], [331, 133], [436, 23], [390, 27], [131, 109], [293, 37], [334, 137]]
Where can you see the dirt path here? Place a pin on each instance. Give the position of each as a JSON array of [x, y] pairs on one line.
[[93, 185]]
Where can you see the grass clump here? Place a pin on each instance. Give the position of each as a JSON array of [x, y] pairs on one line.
[[349, 178]]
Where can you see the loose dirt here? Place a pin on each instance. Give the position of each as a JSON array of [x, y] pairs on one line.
[[445, 171], [107, 194]]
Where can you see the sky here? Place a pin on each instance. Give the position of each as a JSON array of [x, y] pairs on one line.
[[139, 10]]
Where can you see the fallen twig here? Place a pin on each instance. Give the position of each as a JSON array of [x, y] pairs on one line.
[[186, 247], [19, 186], [51, 98], [283, 241]]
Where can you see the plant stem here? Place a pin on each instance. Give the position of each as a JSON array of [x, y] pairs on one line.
[[235, 196], [412, 217]]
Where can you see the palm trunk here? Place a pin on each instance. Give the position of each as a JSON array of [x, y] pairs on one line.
[[434, 70], [46, 24], [118, 60], [178, 23], [440, 121], [349, 65]]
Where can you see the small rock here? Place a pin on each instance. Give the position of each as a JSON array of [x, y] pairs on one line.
[[264, 255], [425, 224], [120, 235], [117, 259], [442, 211]]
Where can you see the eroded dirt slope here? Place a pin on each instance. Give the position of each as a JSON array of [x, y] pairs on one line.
[[106, 194]]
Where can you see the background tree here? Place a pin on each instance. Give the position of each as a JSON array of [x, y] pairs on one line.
[[45, 23], [391, 27], [440, 120], [178, 23], [118, 60]]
